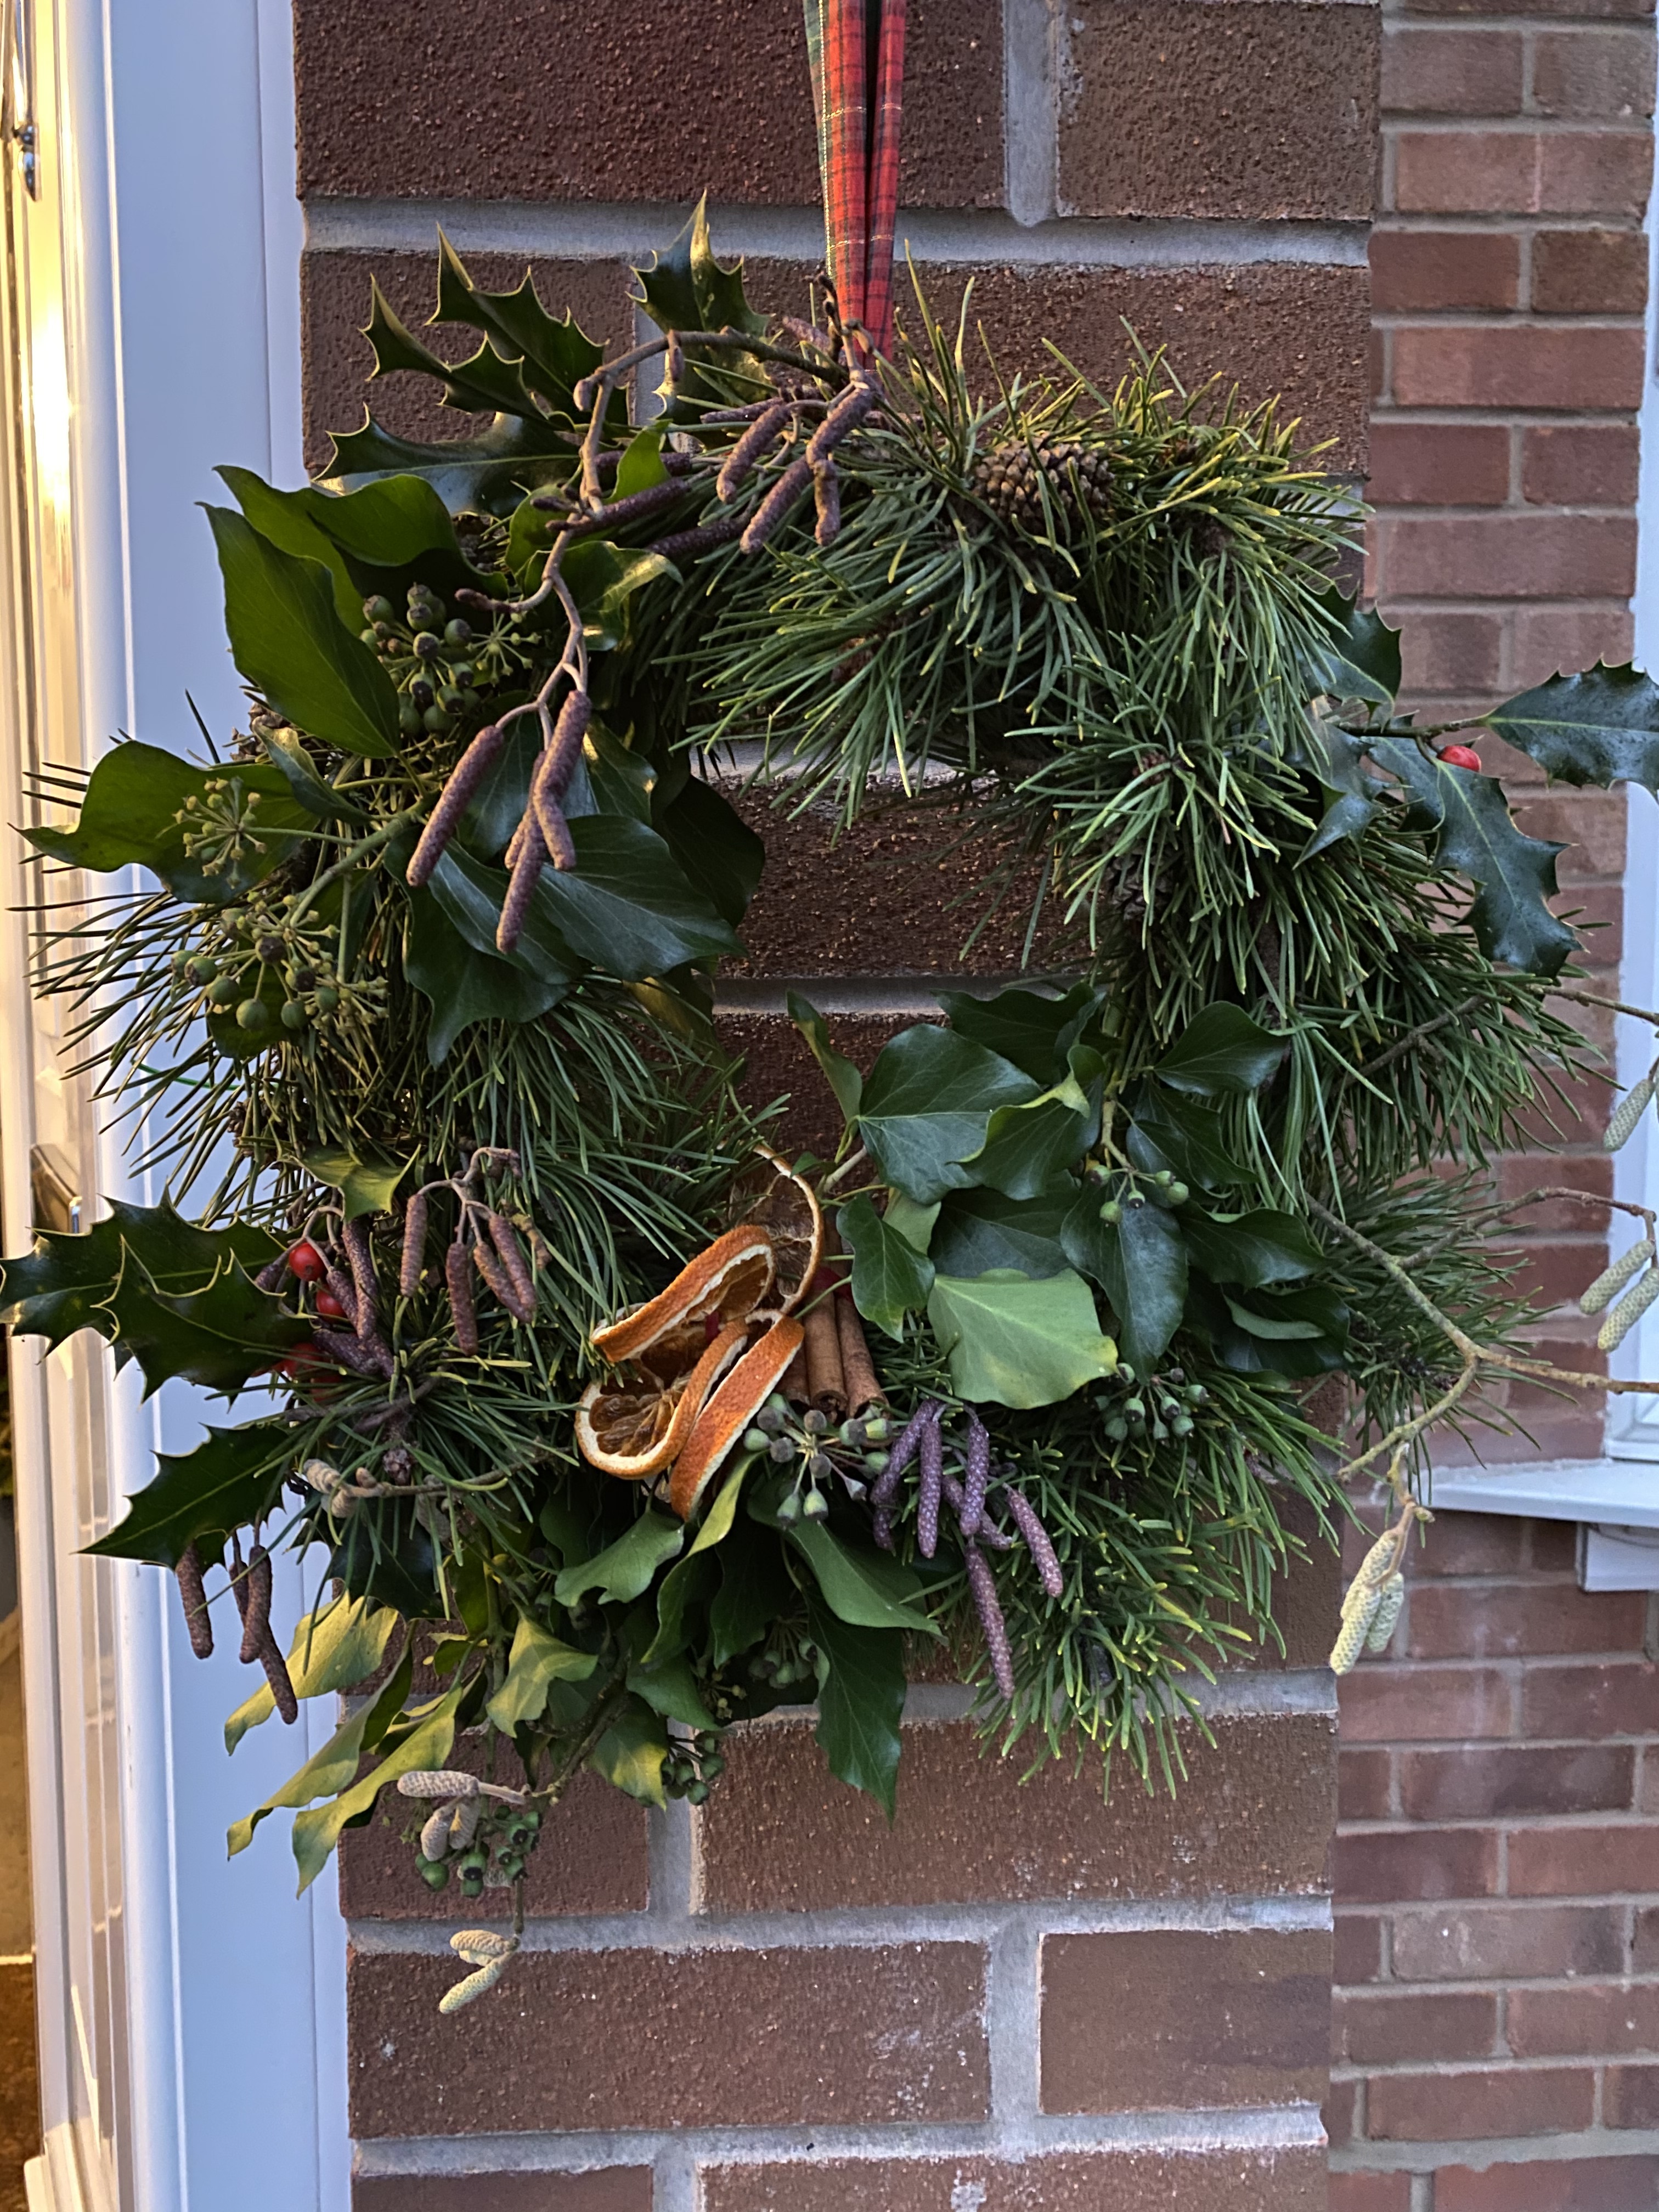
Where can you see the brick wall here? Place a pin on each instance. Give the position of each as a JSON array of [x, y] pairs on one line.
[[1015, 2000]]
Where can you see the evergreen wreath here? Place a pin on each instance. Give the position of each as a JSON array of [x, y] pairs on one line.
[[603, 1425]]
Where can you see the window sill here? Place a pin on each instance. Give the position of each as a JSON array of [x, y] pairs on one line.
[[1622, 1492]]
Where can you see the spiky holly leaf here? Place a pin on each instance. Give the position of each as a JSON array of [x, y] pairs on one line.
[[553, 356], [231, 1479], [1475, 834], [685, 288], [485, 383], [1362, 660], [1601, 727], [1333, 758]]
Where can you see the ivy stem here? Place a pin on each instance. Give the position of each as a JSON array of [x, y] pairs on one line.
[[348, 860], [605, 1712]]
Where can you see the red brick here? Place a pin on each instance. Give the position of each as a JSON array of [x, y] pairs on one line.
[[1450, 653], [1435, 71], [1406, 1705], [1375, 2029], [1108, 2180], [1234, 2018], [1593, 73], [1578, 464], [1469, 1544], [1505, 1621], [1460, 2106], [1493, 1942], [1517, 365], [1359, 1952], [1521, 1173], [1340, 2113], [852, 2034], [1590, 272], [1645, 1942], [1632, 2097], [1424, 271], [1548, 639], [1580, 2184], [1554, 1544], [1505, 557], [1440, 464], [1378, 1866], [1585, 2022], [1596, 1701], [1591, 824], [1370, 2192], [1555, 1274], [616, 2189], [1521, 173]]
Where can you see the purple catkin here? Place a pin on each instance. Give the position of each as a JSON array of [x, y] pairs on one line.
[[467, 775], [500, 1281], [269, 1277], [505, 1239], [255, 1584], [637, 504], [358, 1355], [982, 1583], [929, 1489], [193, 1597], [457, 1278], [282, 1688], [977, 1473], [738, 465], [826, 483], [849, 411], [987, 1532], [679, 542], [902, 1450], [414, 1252], [344, 1291], [1036, 1540], [881, 1527], [558, 763], [787, 493], [526, 874], [554, 830]]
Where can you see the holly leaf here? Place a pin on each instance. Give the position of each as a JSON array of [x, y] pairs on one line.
[[1221, 1049], [553, 353], [484, 384], [232, 1479], [685, 288], [489, 474], [861, 1689], [1475, 834], [537, 1660], [1600, 727], [890, 1277], [844, 1078], [1140, 1262], [1362, 660], [928, 1105], [1334, 758], [287, 638], [624, 1570], [1014, 1342], [366, 1185], [1257, 1249], [979, 1230]]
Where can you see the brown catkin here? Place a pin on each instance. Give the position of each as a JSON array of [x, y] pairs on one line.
[[526, 874], [785, 494], [566, 749], [825, 1381], [495, 1275], [256, 1617], [344, 1290], [281, 1689], [414, 1253], [849, 411], [505, 1239], [739, 464], [457, 1281], [269, 1277], [858, 1369], [193, 1597], [826, 485], [467, 775], [360, 1251], [679, 542], [549, 816]]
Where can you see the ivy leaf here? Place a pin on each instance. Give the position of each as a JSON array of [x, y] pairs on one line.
[[469, 895], [489, 474], [537, 1660], [626, 907], [1168, 1131], [333, 1768], [1362, 660], [427, 1744], [283, 749], [1600, 727], [290, 642], [1140, 1262], [928, 1104], [752, 1580], [844, 1078], [670, 1688], [630, 1754], [1257, 1249], [334, 1649], [623, 1570], [980, 1231], [1027, 1148], [610, 778], [367, 1186], [890, 1277], [230, 1480], [861, 1689], [1299, 1332], [463, 985], [603, 578], [1013, 1342], [717, 852], [640, 468], [867, 1589], [1514, 874], [1221, 1049], [1033, 1030]]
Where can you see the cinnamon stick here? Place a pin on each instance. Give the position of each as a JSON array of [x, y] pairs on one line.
[[826, 1383], [794, 1386], [858, 1369]]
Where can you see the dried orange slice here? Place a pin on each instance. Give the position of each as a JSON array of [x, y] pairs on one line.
[[786, 1206], [632, 1429], [725, 1283], [729, 1411]]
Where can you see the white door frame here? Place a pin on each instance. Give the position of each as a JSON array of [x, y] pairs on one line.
[[200, 2062]]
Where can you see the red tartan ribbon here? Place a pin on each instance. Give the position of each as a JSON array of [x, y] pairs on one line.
[[857, 52]]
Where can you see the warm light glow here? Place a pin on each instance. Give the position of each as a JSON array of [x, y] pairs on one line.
[[48, 404]]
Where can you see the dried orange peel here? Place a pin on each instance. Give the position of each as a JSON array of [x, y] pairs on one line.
[[729, 1411], [723, 1285], [634, 1429], [786, 1206]]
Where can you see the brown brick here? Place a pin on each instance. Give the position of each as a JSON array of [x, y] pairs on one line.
[[1579, 2184], [1632, 2097], [1440, 464], [1363, 1779], [1379, 1866], [1359, 1952], [1553, 1545], [1407, 1704], [1288, 97], [1521, 173], [1069, 2181], [1551, 638], [1590, 272], [1514, 1779], [1505, 1621], [1591, 826], [1253, 1816], [1579, 464], [1488, 1943], [1236, 2018], [592, 1858], [776, 1064], [334, 300], [1599, 8], [1436, 70], [1518, 365], [1582, 1861], [1592, 2022], [1520, 1174], [616, 2189], [1498, 2101], [853, 2034], [1593, 73], [1378, 2028], [416, 97], [1421, 271], [1340, 2113], [1370, 2192], [1600, 1700]]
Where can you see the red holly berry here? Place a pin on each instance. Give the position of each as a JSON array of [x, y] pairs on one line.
[[1461, 756], [301, 1359], [328, 1306], [306, 1262]]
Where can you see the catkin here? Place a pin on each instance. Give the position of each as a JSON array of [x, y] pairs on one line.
[[849, 411], [1029, 1525], [976, 1474], [463, 1822], [476, 1985], [256, 1612], [982, 1583], [495, 1275], [566, 750], [277, 1674], [1387, 1616], [1621, 1122], [826, 485], [785, 494], [740, 463], [902, 1451], [526, 874], [1614, 1279], [435, 1836], [463, 1309], [1356, 1626], [504, 1237], [929, 1490], [469, 773], [1628, 1312], [438, 1782], [360, 1251], [478, 1945], [414, 1254], [193, 1597], [1375, 1569]]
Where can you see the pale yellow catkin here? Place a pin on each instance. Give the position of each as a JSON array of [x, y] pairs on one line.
[[1621, 1122], [1387, 1616], [1628, 1312], [475, 1985], [1612, 1279], [1374, 1570], [437, 1782], [478, 1945], [463, 1822], [1356, 1626], [434, 1837]]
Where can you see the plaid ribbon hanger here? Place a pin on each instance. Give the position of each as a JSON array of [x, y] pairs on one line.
[[856, 48]]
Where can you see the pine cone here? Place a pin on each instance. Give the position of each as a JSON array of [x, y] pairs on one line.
[[1011, 477]]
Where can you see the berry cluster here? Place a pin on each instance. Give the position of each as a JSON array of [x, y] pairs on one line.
[[817, 1452], [693, 1766], [1162, 1407], [439, 662]]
